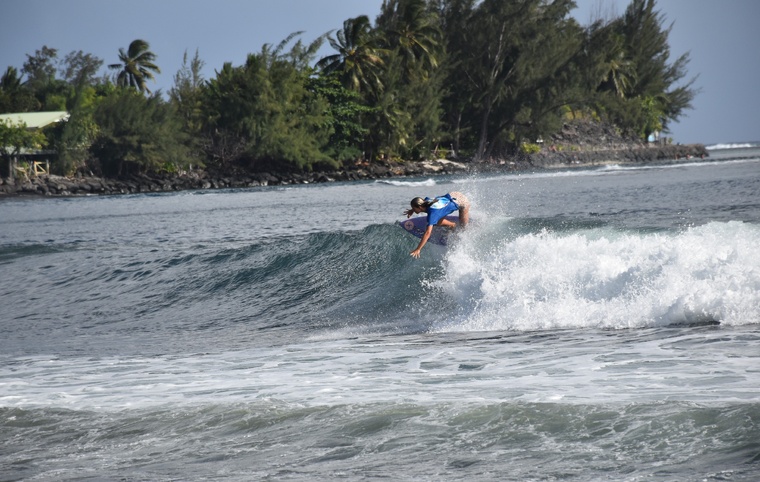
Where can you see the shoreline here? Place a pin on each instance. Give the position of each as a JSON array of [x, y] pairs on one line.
[[60, 186]]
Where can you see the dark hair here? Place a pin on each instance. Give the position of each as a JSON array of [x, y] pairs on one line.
[[418, 202]]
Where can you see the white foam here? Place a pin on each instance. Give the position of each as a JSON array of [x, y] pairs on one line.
[[605, 279], [426, 183], [571, 369], [737, 145]]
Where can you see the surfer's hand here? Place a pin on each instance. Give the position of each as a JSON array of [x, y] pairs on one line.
[[415, 253]]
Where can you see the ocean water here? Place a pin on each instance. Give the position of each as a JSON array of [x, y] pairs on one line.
[[590, 324]]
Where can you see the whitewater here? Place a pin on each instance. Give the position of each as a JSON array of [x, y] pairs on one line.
[[590, 324]]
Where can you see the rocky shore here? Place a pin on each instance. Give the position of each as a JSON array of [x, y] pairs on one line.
[[577, 145], [52, 185]]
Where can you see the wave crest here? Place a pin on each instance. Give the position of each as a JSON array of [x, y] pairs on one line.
[[732, 145], [600, 278]]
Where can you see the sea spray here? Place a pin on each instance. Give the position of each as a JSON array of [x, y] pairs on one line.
[[603, 278]]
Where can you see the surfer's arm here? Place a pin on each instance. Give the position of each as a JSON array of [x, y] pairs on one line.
[[425, 237]]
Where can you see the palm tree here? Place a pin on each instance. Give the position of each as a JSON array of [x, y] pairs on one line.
[[136, 66], [14, 95], [10, 80], [620, 72], [358, 59], [413, 32]]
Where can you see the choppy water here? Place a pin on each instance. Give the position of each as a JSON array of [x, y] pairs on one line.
[[589, 325]]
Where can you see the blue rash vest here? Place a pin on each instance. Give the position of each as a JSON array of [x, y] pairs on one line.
[[442, 207]]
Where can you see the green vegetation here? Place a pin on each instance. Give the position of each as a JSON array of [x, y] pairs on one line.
[[136, 66], [16, 137], [485, 77], [137, 134], [528, 148], [264, 111]]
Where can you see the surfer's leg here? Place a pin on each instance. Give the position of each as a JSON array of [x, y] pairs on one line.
[[464, 207], [464, 215]]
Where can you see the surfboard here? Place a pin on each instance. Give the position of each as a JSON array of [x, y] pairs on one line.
[[416, 227]]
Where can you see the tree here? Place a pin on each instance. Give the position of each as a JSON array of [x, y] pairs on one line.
[[515, 51], [410, 106], [546, 79], [14, 95], [620, 73], [343, 117], [14, 137], [40, 70], [457, 27], [139, 134], [137, 65], [654, 92], [189, 77], [411, 29], [72, 139], [262, 114], [358, 60], [186, 94], [79, 69]]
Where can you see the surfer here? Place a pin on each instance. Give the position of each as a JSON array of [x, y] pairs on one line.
[[437, 209]]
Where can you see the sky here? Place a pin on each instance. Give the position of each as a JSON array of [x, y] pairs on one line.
[[721, 37]]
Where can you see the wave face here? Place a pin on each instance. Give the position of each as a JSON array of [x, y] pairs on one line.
[[604, 249], [499, 275], [588, 324]]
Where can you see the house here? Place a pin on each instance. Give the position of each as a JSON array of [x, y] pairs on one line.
[[34, 158]]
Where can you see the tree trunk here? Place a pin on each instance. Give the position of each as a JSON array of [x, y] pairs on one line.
[[483, 133], [458, 132]]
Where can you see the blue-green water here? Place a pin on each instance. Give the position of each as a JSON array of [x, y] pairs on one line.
[[589, 325]]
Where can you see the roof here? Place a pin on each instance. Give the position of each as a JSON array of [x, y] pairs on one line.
[[36, 120]]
